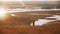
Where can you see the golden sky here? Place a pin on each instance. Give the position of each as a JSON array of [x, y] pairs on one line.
[[28, 0]]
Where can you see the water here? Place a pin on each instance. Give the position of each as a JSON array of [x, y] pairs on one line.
[[45, 21]]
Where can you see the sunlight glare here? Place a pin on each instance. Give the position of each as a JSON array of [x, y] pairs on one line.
[[2, 13]]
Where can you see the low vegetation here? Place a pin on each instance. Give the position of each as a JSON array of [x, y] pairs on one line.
[[49, 28]]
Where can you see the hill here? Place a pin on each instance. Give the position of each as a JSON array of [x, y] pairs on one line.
[[49, 28]]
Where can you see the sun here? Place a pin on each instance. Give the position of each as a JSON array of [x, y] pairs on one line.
[[2, 13]]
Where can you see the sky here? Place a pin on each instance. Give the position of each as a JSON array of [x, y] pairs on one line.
[[28, 0]]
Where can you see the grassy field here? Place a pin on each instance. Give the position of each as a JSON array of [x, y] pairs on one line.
[[27, 17], [49, 28]]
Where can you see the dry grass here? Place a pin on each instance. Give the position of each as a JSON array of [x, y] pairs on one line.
[[50, 28]]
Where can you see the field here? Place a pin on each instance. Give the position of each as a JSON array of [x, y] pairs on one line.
[[20, 24], [49, 28], [18, 20]]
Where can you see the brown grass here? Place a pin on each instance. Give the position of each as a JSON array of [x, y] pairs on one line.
[[50, 28]]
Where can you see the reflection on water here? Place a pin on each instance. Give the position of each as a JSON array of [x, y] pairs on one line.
[[55, 16], [42, 21], [45, 21]]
